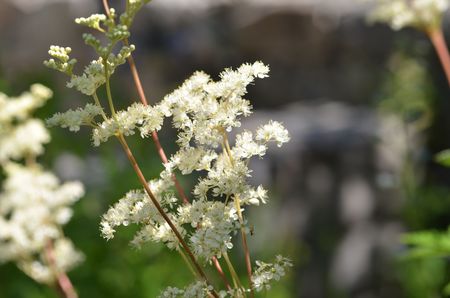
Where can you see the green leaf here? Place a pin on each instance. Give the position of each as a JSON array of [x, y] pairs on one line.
[[447, 290], [443, 158]]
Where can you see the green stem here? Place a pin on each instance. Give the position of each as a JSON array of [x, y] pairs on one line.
[[237, 202], [97, 102], [188, 263], [236, 281], [108, 88]]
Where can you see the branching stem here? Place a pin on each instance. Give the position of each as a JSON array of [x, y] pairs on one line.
[[97, 102]]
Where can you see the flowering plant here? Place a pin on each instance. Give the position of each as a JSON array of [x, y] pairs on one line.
[[34, 205], [204, 112]]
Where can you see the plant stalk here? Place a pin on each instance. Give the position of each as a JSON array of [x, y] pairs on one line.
[[437, 39], [221, 273], [108, 90], [235, 277], [64, 284], [143, 99], [155, 202], [248, 262]]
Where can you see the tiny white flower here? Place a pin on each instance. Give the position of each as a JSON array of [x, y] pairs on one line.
[[246, 146], [92, 78], [265, 273], [273, 131]]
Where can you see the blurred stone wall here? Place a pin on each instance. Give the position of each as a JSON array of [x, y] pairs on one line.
[[335, 191]]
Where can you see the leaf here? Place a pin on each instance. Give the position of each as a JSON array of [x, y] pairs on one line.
[[447, 290], [443, 158]]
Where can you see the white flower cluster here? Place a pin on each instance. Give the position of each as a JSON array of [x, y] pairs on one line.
[[33, 206], [27, 139], [203, 111], [74, 119], [33, 203], [422, 14], [214, 222], [265, 273], [19, 108], [195, 290], [201, 107], [136, 208], [138, 116], [21, 137], [92, 78]]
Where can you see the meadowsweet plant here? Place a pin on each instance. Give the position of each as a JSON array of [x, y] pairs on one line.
[[202, 229], [422, 15], [34, 205]]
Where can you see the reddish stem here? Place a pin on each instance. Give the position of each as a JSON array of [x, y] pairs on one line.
[[221, 273], [106, 7], [437, 39], [64, 284], [163, 157], [161, 211]]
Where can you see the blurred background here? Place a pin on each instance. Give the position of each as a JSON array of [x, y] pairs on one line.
[[367, 109]]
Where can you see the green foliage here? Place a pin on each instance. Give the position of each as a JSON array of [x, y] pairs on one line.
[[407, 91], [422, 278], [428, 244], [427, 257], [443, 158]]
